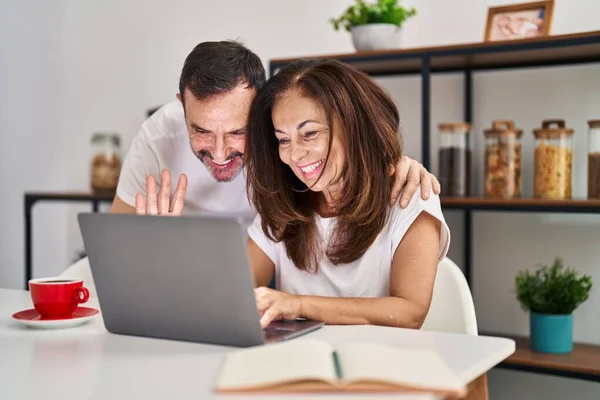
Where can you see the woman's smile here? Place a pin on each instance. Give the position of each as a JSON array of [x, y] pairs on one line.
[[312, 170]]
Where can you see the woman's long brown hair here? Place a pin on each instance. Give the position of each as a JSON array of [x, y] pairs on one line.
[[368, 123]]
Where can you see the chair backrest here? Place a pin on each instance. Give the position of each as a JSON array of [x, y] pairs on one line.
[[81, 269], [452, 308]]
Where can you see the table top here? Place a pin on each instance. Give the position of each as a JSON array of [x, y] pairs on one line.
[[89, 362]]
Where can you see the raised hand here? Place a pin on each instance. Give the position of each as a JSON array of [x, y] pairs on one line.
[[160, 202]]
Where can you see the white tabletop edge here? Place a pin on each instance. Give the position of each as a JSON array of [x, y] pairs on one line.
[[493, 360]]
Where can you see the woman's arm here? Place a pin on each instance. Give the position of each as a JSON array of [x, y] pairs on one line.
[[413, 271], [262, 267]]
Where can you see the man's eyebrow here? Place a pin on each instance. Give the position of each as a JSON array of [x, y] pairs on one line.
[[198, 128], [239, 130]]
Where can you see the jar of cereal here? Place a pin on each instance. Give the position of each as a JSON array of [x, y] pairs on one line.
[[106, 163], [503, 160], [594, 159], [553, 160], [454, 159]]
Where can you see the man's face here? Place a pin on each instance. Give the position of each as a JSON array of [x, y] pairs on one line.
[[217, 130]]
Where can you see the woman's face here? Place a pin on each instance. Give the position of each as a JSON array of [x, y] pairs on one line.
[[301, 129]]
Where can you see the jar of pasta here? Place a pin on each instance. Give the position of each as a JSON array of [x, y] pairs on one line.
[[454, 159], [594, 159], [503, 160], [553, 160], [106, 163]]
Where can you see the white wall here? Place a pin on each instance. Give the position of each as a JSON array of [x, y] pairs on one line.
[[70, 68], [33, 140]]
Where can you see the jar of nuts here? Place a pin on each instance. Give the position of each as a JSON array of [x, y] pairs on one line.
[[106, 163], [553, 160], [503, 160], [454, 159], [594, 159]]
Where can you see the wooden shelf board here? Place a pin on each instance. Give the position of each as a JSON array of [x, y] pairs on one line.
[[73, 196], [522, 204], [550, 50], [460, 203], [584, 359]]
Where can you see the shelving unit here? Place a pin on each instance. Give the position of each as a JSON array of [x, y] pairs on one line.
[[582, 363], [31, 198], [467, 59]]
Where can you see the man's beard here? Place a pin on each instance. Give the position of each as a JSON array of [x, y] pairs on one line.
[[222, 173]]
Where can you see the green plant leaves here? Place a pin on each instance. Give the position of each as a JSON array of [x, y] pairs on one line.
[[553, 289], [382, 11]]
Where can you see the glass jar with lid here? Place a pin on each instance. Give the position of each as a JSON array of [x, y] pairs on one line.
[[106, 163], [454, 159], [553, 160], [503, 160], [594, 159]]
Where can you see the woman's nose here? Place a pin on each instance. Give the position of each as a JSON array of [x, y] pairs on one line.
[[298, 152]]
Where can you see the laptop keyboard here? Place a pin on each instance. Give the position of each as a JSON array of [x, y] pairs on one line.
[[271, 333], [279, 329]]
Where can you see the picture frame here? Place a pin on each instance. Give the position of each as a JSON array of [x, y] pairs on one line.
[[519, 21]]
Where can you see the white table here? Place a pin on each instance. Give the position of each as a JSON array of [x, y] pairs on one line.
[[87, 362]]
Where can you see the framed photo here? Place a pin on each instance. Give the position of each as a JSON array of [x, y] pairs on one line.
[[519, 21]]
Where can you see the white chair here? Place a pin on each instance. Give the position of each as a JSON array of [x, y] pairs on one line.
[[452, 308], [81, 269]]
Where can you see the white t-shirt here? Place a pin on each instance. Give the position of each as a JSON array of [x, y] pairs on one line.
[[369, 276], [163, 143]]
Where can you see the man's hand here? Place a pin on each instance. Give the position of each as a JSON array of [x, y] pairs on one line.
[[409, 175], [275, 305], [159, 203]]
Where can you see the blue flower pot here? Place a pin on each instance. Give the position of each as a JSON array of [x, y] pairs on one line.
[[551, 333]]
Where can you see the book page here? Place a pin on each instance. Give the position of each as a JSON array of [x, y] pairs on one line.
[[416, 368], [298, 359]]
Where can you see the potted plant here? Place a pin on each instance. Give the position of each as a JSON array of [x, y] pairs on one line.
[[550, 295], [374, 25]]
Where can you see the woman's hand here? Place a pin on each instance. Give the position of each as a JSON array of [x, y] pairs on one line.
[[159, 203], [275, 305]]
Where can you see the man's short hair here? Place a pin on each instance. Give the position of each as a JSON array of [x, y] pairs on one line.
[[214, 68]]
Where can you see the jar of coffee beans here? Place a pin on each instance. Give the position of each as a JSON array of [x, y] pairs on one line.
[[106, 163], [454, 159], [594, 159]]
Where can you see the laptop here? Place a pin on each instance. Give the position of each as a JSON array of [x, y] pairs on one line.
[[180, 278]]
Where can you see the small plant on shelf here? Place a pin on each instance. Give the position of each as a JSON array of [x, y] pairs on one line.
[[553, 289], [374, 25], [381, 12], [551, 294]]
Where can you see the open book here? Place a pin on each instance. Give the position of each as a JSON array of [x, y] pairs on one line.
[[307, 365]]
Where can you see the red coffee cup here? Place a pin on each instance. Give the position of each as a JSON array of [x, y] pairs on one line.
[[57, 297]]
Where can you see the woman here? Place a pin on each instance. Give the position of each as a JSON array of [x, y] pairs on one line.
[[322, 137]]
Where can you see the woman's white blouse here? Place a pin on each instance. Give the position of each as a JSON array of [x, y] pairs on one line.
[[369, 276]]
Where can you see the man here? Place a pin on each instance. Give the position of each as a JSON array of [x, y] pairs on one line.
[[207, 125]]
